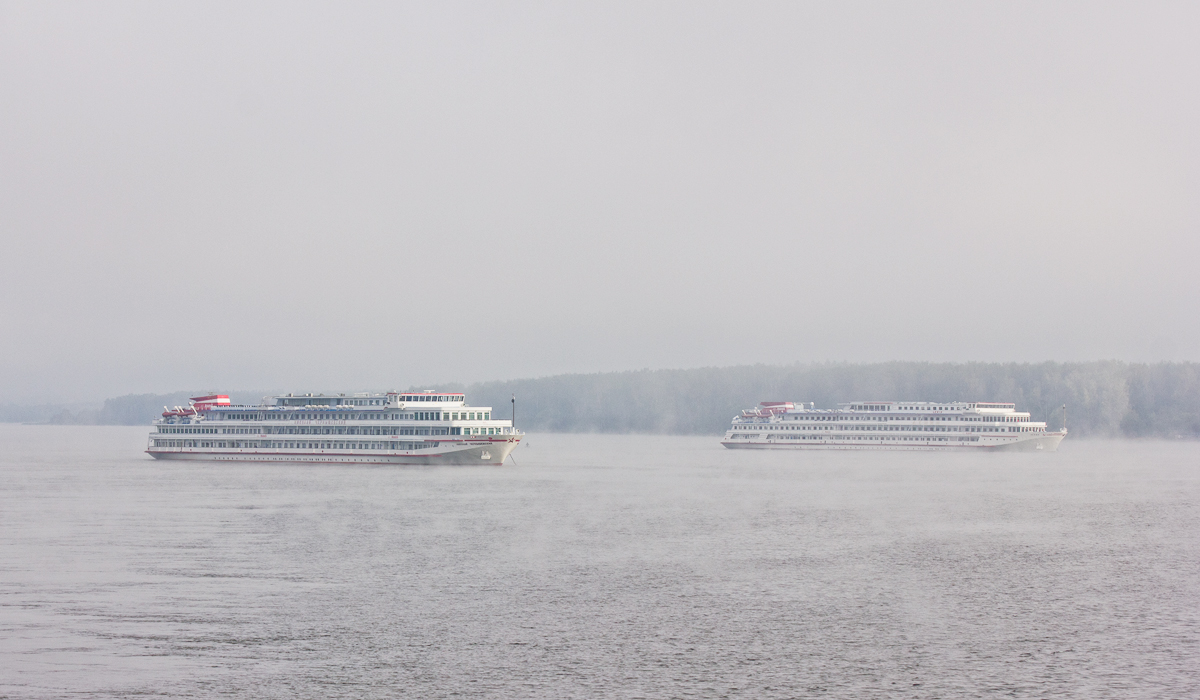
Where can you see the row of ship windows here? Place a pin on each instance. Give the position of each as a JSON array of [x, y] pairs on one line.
[[899, 438], [916, 408], [863, 437], [337, 401], [352, 430], [317, 445], [414, 415], [884, 419], [916, 428], [869, 407]]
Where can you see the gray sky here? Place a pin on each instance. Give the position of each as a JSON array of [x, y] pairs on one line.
[[362, 196]]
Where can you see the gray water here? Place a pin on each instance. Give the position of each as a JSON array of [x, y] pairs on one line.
[[600, 566]]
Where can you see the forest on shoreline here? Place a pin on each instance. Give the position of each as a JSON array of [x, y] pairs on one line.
[[1106, 399]]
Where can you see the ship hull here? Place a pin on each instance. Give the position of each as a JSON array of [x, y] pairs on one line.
[[1048, 442], [1043, 443], [473, 452]]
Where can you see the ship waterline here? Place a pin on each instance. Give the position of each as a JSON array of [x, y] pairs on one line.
[[891, 425], [425, 428]]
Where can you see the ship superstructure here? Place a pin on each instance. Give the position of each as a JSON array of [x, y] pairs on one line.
[[890, 425], [426, 427]]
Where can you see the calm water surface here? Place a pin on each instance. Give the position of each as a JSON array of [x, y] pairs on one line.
[[600, 566]]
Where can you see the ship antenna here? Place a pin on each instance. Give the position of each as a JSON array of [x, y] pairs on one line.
[[1064, 418], [514, 403]]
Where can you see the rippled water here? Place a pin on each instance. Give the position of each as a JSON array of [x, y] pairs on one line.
[[600, 566]]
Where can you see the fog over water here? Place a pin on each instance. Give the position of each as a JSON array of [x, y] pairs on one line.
[[600, 566], [637, 217], [316, 197]]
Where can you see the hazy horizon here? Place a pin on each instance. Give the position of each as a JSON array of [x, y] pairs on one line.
[[372, 196], [252, 393]]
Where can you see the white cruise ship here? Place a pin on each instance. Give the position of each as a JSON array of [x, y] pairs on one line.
[[393, 428], [891, 425]]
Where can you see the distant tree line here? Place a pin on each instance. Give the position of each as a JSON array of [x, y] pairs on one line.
[[1111, 399], [1103, 398], [39, 413], [131, 409]]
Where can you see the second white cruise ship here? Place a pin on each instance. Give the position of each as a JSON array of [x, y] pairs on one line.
[[394, 428], [891, 425]]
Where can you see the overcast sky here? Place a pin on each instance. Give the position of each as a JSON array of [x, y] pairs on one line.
[[367, 196]]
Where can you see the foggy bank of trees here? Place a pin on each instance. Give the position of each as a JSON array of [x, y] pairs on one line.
[[1110, 399], [1103, 398], [131, 409], [39, 413]]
